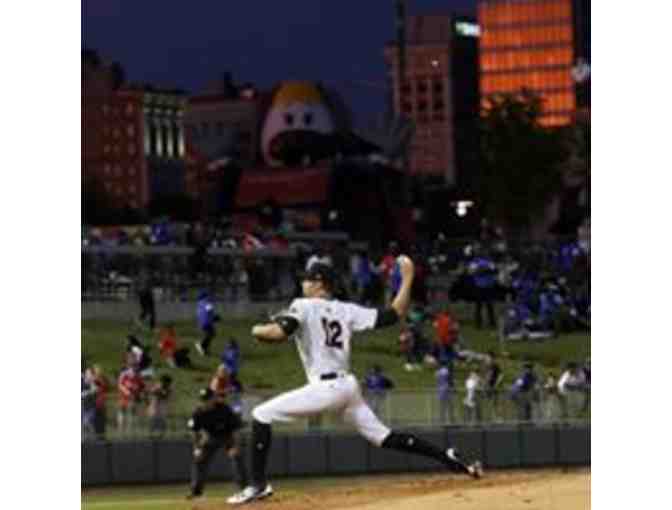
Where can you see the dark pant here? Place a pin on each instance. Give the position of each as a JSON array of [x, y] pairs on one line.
[[99, 423], [149, 315], [484, 297], [201, 466], [208, 335]]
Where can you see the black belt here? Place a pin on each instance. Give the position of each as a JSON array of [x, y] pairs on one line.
[[329, 376]]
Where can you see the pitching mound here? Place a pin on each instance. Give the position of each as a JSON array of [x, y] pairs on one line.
[[530, 490]]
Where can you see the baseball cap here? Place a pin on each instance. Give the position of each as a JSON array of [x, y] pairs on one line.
[[320, 273]]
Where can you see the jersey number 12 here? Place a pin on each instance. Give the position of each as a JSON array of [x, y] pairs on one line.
[[332, 331]]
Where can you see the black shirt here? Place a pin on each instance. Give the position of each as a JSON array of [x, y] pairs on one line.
[[493, 375], [219, 421]]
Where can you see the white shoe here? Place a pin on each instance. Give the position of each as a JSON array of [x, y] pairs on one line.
[[408, 367], [249, 494], [476, 469], [199, 348]]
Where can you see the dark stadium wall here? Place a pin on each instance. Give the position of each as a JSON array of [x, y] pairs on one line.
[[126, 462]]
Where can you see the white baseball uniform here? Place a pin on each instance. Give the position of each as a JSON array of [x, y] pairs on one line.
[[323, 341]]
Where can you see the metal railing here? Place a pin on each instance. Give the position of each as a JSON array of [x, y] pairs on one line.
[[396, 408]]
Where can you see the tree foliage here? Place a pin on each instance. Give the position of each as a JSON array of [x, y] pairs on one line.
[[520, 160]]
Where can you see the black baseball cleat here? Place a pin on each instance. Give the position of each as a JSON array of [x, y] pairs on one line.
[[473, 469]]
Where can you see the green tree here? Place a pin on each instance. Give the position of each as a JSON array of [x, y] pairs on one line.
[[520, 160]]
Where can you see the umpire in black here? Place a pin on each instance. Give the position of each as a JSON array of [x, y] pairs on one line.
[[213, 426]]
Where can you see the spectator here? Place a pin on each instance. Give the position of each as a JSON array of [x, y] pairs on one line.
[[570, 385], [493, 381], [447, 330], [231, 357], [168, 345], [413, 342], [236, 395], [472, 400], [206, 317], [446, 389], [102, 389], [377, 385], [220, 383], [550, 397], [131, 389], [147, 308], [483, 273], [88, 403], [365, 279], [139, 356], [523, 392], [159, 397], [386, 269]]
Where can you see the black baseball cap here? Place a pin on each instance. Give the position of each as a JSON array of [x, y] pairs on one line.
[[320, 273]]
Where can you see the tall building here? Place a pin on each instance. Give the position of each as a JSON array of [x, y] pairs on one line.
[[132, 137], [539, 45], [439, 92]]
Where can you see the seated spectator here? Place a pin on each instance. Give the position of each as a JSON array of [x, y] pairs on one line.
[[139, 356], [220, 384], [131, 389], [157, 411], [231, 357]]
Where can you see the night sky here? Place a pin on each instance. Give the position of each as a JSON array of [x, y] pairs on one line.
[[188, 44]]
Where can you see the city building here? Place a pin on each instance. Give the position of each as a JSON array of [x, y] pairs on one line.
[[133, 144], [539, 45], [439, 91]]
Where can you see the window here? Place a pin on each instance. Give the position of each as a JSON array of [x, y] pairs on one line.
[[129, 109], [131, 149], [130, 130], [107, 149], [131, 171], [422, 106], [117, 170], [422, 86], [107, 168], [131, 189], [437, 87]]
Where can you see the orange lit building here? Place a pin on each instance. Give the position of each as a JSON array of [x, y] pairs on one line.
[[534, 45], [440, 90]]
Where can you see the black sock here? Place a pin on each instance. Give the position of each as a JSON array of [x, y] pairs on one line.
[[239, 470], [261, 444], [412, 444]]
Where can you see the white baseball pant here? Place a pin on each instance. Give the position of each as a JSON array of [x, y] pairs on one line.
[[341, 395]]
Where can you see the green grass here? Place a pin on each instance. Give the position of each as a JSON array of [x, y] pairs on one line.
[[275, 368]]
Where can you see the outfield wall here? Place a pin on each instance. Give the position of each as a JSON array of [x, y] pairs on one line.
[[171, 312], [319, 454]]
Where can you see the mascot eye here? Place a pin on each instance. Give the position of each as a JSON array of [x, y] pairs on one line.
[[307, 119], [289, 119]]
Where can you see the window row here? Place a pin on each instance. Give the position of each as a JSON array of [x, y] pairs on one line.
[[508, 60], [131, 149], [523, 12], [552, 102], [116, 170], [423, 86], [536, 80], [555, 120], [530, 36], [113, 111], [120, 190], [164, 140]]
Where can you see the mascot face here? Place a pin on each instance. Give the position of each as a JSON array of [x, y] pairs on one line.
[[298, 125]]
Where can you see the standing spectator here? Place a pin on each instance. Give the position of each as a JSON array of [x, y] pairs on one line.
[[586, 381], [147, 307], [493, 381], [131, 388], [231, 357], [445, 385], [377, 385], [159, 397], [550, 397], [472, 401], [570, 384], [102, 389], [483, 273], [88, 393], [447, 330], [386, 269], [523, 392], [206, 317]]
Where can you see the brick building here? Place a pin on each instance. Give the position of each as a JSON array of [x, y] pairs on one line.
[[439, 92], [132, 138]]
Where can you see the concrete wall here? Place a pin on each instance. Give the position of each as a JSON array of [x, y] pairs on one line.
[[337, 454]]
